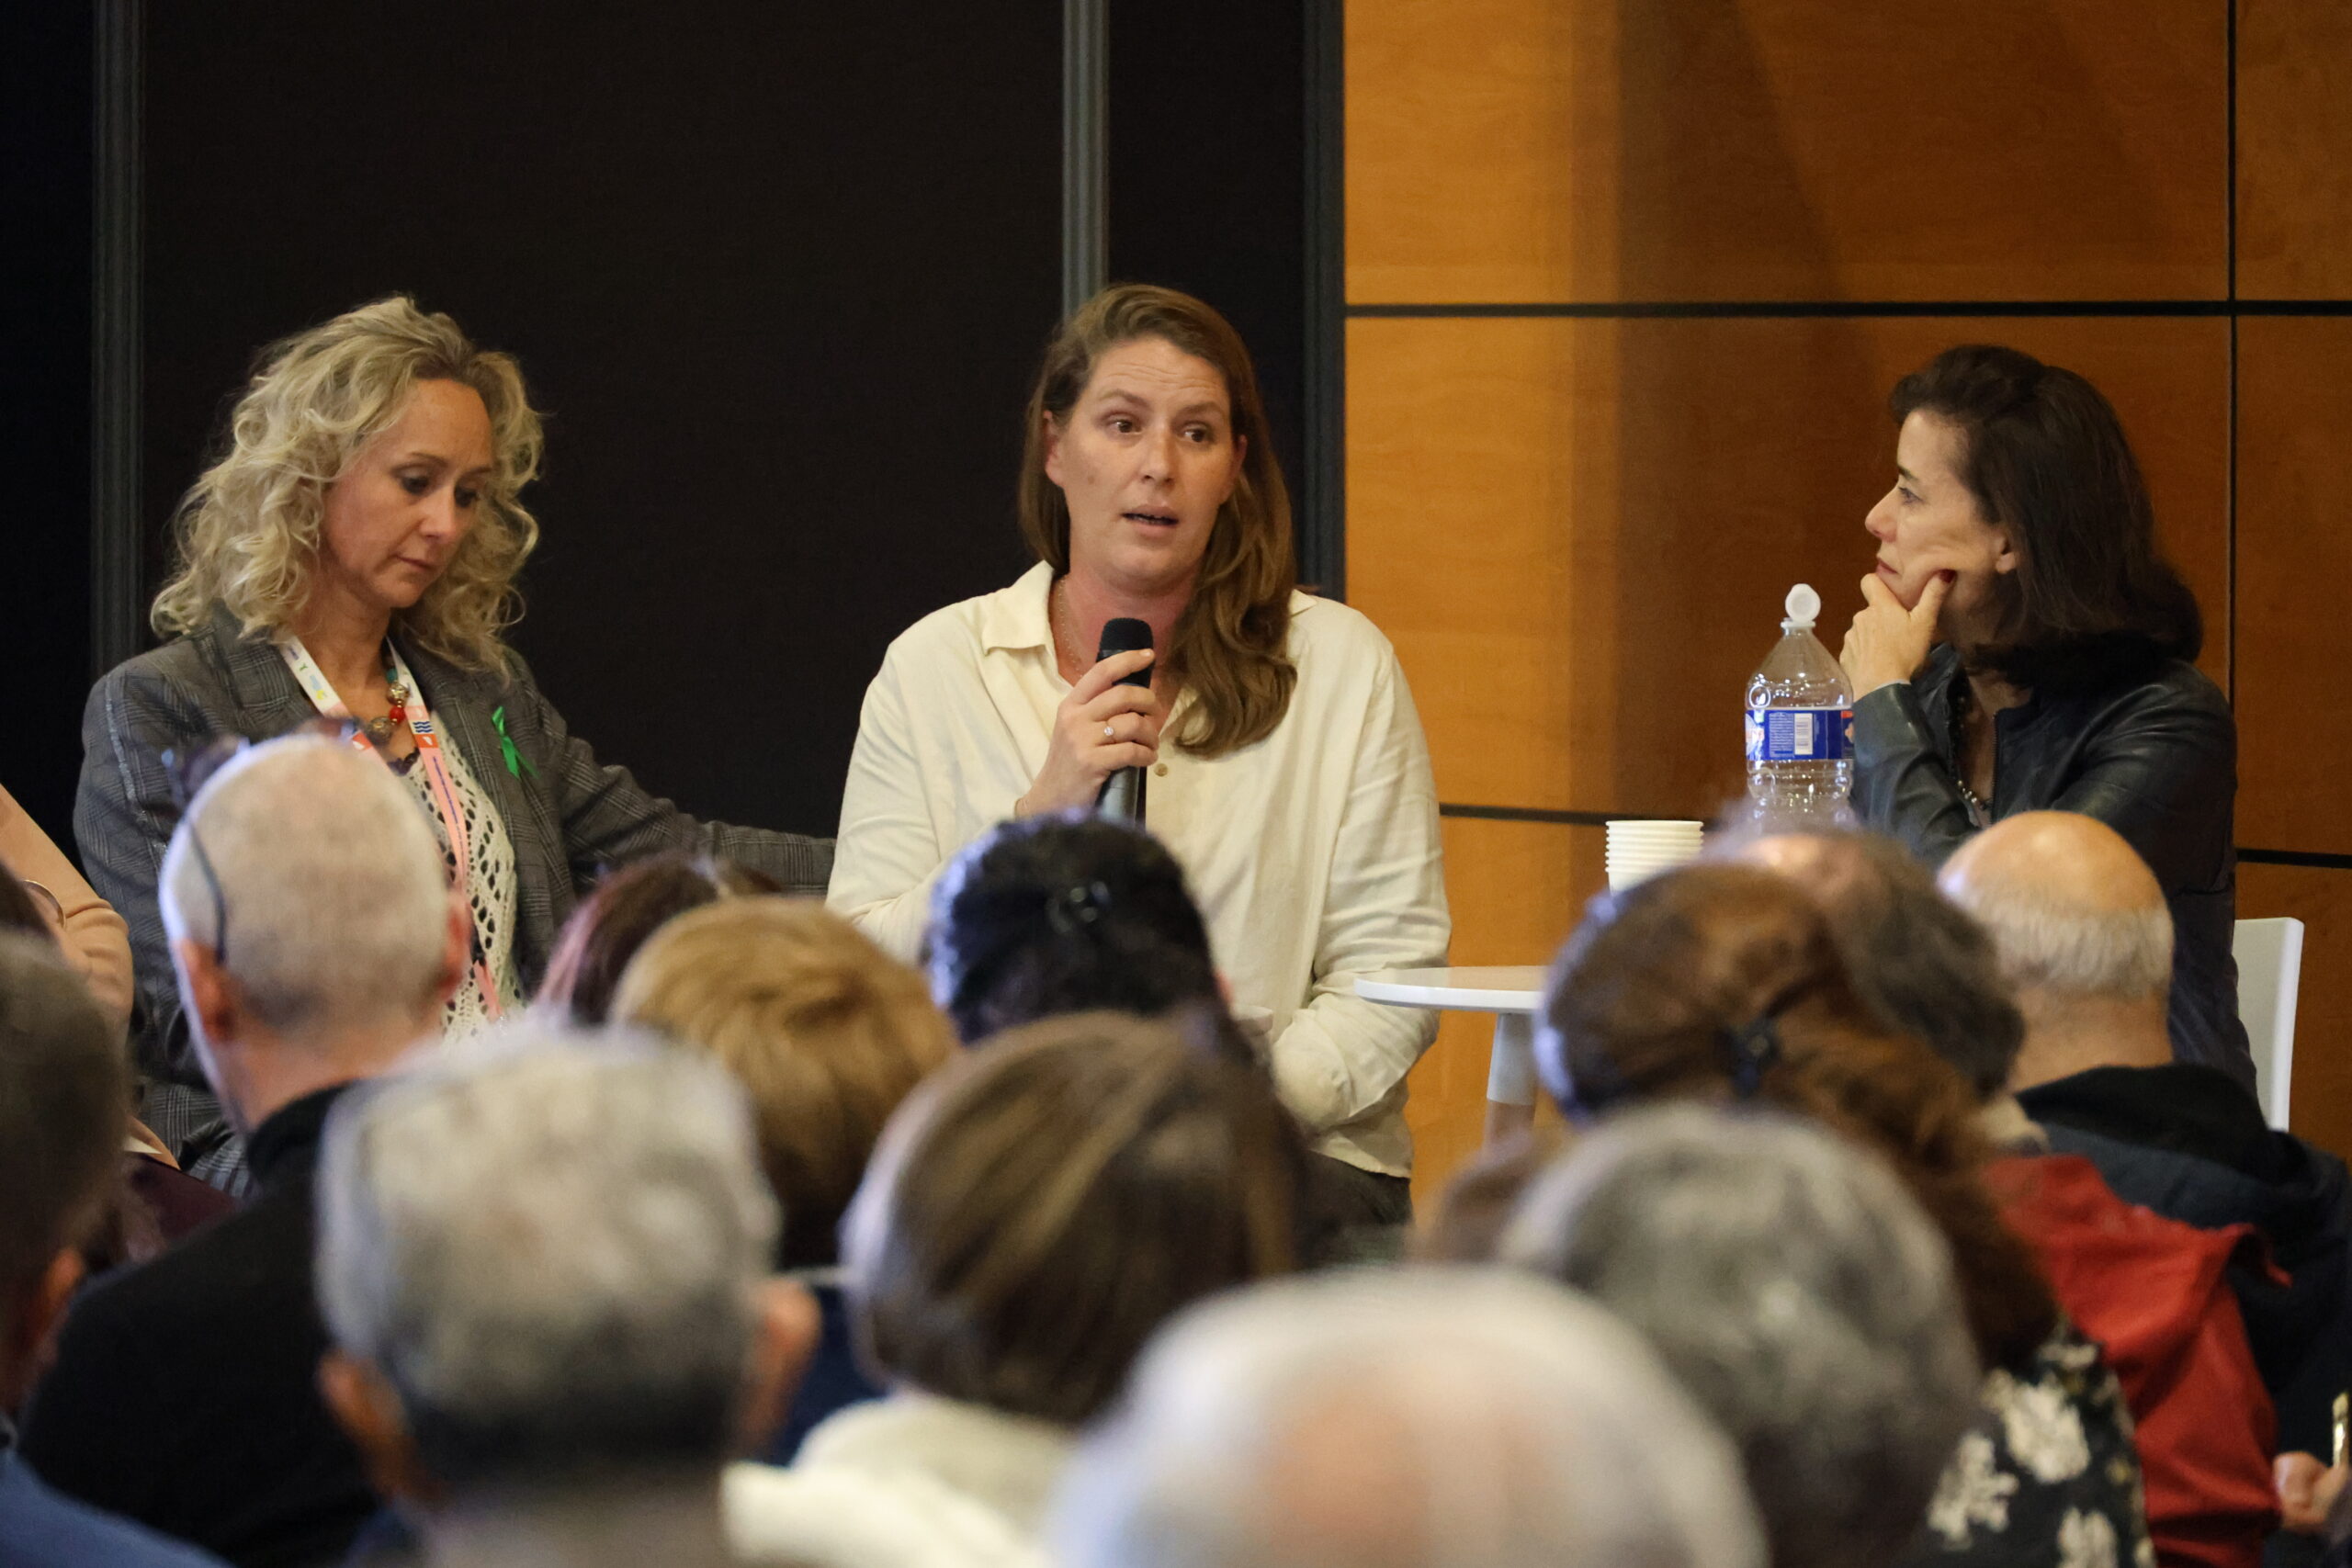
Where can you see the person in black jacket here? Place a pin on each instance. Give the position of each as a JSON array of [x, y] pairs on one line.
[[316, 942], [2081, 932], [2025, 647], [354, 553], [63, 1089]]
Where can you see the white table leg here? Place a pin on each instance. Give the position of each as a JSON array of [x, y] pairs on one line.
[[1510, 1079]]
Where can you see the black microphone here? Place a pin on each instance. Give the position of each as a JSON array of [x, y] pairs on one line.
[[1122, 793]]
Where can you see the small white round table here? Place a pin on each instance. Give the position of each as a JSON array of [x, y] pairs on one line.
[[1513, 994]]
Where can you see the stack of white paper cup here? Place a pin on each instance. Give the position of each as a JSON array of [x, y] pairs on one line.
[[1639, 851]]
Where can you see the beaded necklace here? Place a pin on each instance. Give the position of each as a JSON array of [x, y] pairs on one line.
[[1963, 696]]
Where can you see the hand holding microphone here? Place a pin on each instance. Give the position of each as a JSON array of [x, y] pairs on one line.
[[1103, 726]]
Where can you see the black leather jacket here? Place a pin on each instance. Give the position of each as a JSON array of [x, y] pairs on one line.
[[2156, 760]]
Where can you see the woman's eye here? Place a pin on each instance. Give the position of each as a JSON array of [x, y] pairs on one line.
[[1123, 425], [415, 484], [465, 498], [1906, 495], [1201, 434]]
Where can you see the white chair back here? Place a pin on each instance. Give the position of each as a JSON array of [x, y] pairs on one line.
[[2271, 968]]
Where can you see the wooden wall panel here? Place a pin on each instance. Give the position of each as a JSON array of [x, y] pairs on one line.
[[1591, 150], [2294, 557], [2320, 1106], [1517, 889], [2294, 149], [1579, 532]]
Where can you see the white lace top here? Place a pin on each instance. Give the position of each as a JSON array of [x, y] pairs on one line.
[[490, 888]]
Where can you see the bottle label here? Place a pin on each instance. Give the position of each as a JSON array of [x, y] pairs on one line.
[[1800, 735]]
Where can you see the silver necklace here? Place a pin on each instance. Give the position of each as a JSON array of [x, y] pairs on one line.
[[1978, 812]]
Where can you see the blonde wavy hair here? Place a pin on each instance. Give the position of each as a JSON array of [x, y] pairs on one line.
[[246, 536], [1229, 646]]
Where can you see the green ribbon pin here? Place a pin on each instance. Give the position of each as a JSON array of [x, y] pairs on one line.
[[516, 763]]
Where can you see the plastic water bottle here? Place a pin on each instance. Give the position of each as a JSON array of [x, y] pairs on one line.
[[1800, 729]]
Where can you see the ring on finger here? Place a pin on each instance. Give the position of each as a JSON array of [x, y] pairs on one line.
[[1109, 733]]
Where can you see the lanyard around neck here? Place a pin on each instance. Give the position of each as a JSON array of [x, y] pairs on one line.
[[444, 793]]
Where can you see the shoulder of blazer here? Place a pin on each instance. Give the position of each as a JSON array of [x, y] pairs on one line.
[[204, 666]]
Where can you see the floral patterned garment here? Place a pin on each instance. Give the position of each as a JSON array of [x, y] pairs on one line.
[[2048, 1477]]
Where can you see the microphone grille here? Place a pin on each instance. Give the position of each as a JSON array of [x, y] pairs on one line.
[[1123, 634]]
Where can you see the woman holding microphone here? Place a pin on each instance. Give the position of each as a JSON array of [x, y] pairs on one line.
[[1287, 769], [353, 554], [2025, 648]]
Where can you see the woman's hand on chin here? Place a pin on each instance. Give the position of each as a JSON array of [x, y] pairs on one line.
[[1887, 642], [1099, 727]]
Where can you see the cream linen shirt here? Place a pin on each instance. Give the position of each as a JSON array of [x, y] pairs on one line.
[[1313, 854]]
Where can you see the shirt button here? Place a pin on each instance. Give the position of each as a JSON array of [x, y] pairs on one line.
[[1161, 769]]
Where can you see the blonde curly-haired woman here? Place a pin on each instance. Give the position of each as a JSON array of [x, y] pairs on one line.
[[354, 554]]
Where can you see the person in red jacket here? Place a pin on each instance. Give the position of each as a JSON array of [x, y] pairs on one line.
[[2152, 1292]]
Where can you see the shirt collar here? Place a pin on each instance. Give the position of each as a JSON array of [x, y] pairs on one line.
[[1017, 617], [285, 1145]]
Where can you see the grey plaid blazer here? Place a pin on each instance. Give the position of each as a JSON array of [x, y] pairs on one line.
[[569, 820]]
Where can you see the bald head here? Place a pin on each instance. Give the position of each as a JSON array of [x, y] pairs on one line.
[[1919, 963], [1828, 864], [2063, 855], [2073, 911]]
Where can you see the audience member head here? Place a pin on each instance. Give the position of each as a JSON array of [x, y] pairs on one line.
[[2082, 933], [1060, 914], [1037, 1209], [2084, 595], [248, 535], [1475, 1206], [1140, 361], [1723, 984], [1919, 962], [628, 905], [1798, 1292], [1424, 1418], [544, 1258], [64, 1094], [311, 925], [824, 1030]]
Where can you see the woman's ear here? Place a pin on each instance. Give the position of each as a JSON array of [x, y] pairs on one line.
[[1053, 448], [2007, 557]]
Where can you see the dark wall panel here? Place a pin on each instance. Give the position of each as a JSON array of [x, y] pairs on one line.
[[779, 273], [1207, 174], [44, 403]]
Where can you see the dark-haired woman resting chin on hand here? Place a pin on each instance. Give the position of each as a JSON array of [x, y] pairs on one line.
[[2025, 648], [1287, 769]]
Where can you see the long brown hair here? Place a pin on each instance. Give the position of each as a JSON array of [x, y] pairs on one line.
[[1227, 649], [1720, 982]]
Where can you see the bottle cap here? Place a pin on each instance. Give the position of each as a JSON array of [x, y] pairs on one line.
[[1803, 606]]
